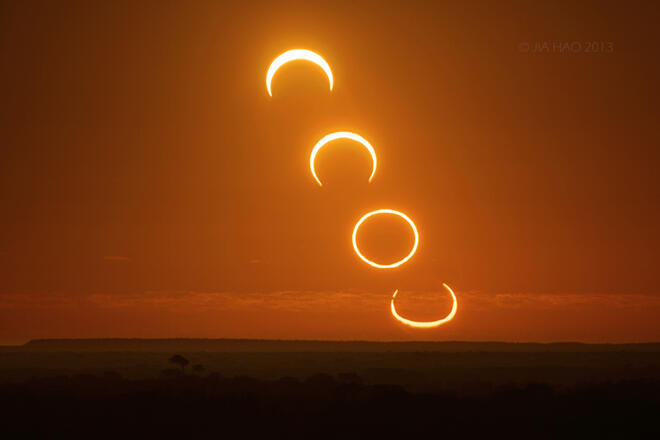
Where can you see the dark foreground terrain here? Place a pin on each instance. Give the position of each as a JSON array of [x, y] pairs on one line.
[[461, 390]]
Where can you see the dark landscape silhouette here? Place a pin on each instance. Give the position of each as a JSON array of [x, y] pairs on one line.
[[295, 389]]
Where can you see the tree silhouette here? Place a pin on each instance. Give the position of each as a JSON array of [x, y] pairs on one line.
[[179, 360]]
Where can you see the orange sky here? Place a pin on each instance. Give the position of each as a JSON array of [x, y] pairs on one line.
[[150, 186], [348, 315]]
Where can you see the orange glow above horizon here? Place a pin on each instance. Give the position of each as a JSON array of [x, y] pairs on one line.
[[397, 263], [293, 55], [341, 135], [426, 324]]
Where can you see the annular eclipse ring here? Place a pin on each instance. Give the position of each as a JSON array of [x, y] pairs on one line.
[[396, 263]]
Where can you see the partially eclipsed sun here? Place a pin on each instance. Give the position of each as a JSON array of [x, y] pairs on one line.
[[426, 324], [396, 263], [341, 135], [293, 55]]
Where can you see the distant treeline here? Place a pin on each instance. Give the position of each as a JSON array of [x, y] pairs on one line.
[[320, 406], [255, 345], [419, 370]]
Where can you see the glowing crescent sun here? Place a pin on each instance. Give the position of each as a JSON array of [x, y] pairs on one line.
[[426, 324], [342, 135], [397, 263], [297, 54]]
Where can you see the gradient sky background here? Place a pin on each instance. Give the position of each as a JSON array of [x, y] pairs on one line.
[[151, 188]]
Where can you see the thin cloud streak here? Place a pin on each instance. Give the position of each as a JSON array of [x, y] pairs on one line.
[[332, 315], [305, 300]]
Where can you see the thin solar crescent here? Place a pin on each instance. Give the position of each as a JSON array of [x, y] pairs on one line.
[[426, 324], [341, 135], [293, 55]]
